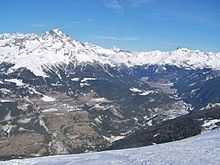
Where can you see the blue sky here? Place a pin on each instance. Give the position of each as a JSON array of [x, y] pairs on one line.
[[127, 24]]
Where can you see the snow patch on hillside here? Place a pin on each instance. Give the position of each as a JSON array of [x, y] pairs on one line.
[[48, 98], [16, 81]]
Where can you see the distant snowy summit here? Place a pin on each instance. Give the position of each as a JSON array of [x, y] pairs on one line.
[[36, 52]]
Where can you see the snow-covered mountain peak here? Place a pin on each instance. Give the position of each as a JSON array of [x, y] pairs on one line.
[[55, 33], [184, 49], [54, 47], [4, 36]]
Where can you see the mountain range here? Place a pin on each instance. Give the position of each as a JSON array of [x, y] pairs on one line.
[[62, 96]]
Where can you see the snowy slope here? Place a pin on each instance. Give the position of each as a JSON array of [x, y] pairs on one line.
[[203, 149], [54, 47]]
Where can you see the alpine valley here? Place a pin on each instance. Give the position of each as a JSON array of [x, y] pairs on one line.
[[62, 96]]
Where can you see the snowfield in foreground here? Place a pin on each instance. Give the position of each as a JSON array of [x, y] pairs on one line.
[[203, 150]]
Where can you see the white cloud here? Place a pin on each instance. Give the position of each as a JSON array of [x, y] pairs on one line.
[[113, 4], [120, 4], [137, 3]]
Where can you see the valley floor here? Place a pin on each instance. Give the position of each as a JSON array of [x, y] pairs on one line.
[[202, 149]]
